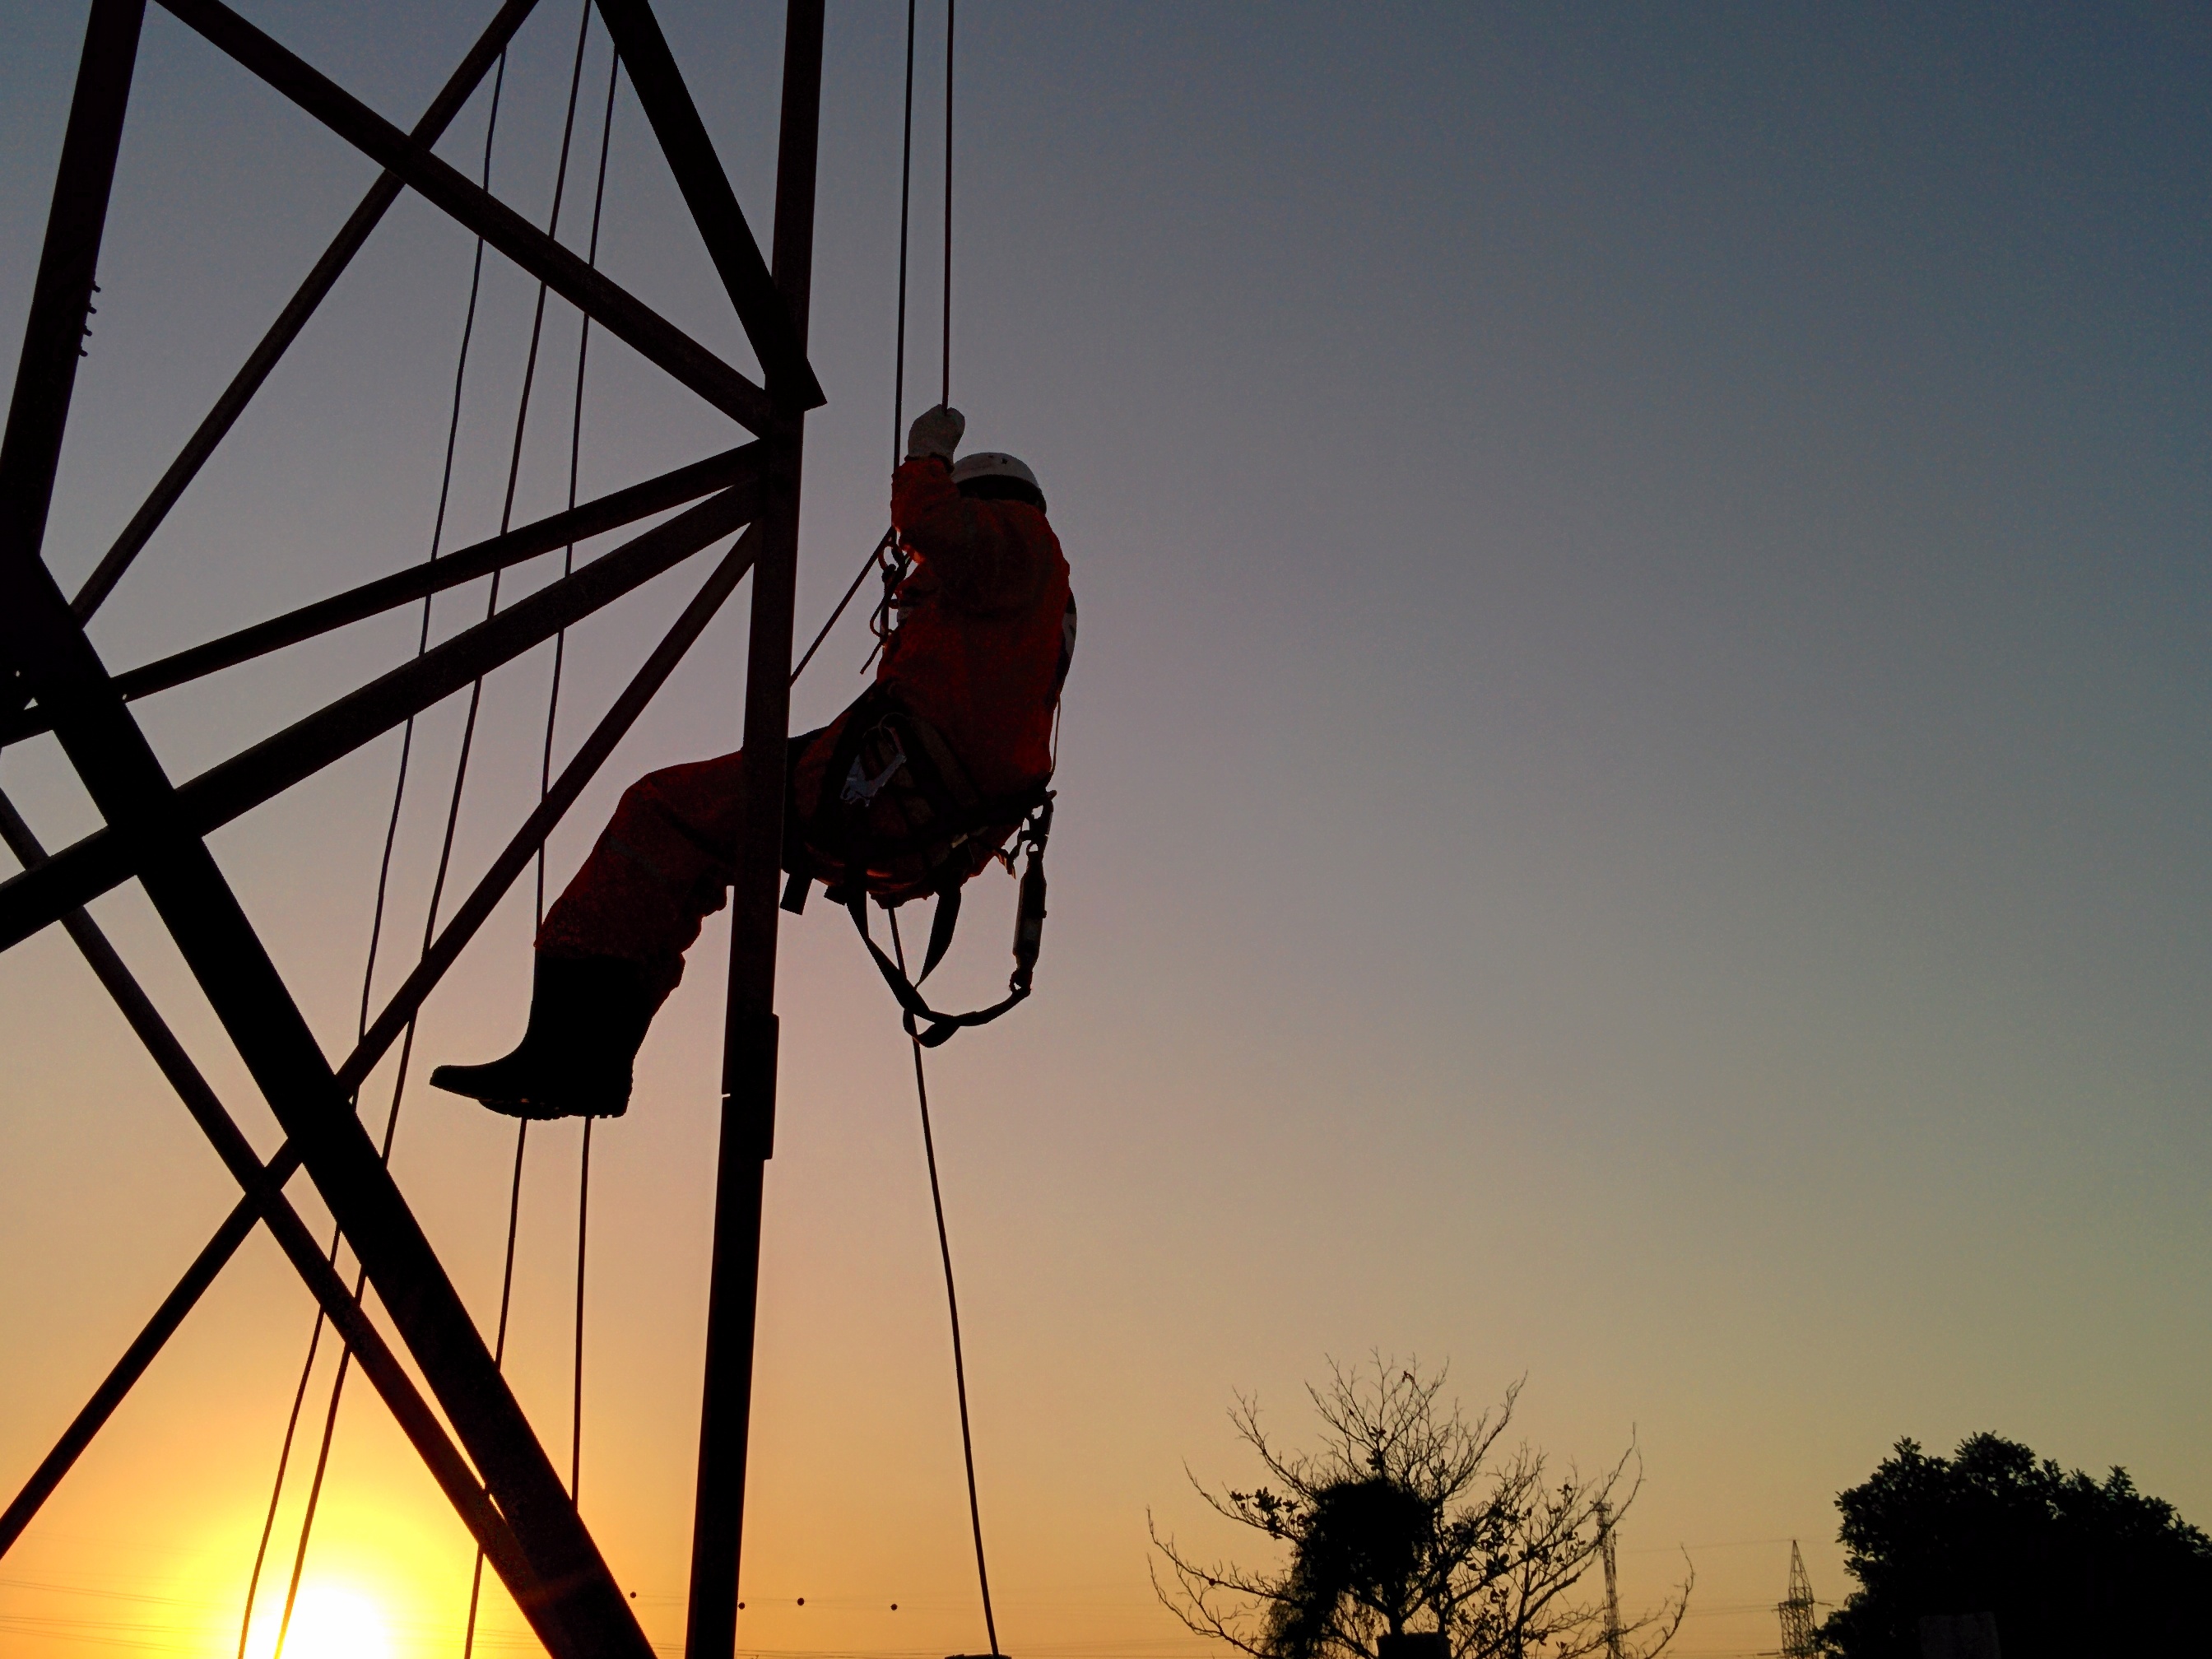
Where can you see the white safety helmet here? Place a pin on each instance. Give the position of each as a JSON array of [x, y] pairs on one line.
[[993, 463]]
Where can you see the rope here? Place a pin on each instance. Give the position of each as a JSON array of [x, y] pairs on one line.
[[499, 1347], [894, 567], [575, 431], [384, 871], [944, 394], [886, 552], [906, 199], [920, 1080], [953, 1307], [453, 815], [886, 555], [553, 697], [576, 1397], [544, 782]]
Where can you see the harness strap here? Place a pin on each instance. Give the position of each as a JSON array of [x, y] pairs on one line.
[[940, 931], [839, 829], [1028, 939], [940, 1027]]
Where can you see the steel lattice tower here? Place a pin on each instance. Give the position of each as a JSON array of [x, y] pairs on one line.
[[1798, 1640], [1605, 1553], [451, 1402]]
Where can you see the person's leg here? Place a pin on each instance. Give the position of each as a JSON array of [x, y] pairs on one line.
[[663, 863], [611, 947]]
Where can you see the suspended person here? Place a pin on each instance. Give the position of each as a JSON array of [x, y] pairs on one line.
[[986, 629]]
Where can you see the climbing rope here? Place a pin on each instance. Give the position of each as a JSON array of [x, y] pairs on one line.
[[889, 558], [498, 1353], [884, 556], [914, 1038], [383, 877], [446, 856], [945, 388], [545, 784], [953, 1307], [894, 570], [552, 701]]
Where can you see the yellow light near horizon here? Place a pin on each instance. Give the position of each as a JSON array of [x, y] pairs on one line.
[[333, 1622]]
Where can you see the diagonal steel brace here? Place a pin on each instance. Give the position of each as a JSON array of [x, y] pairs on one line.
[[617, 310], [265, 1197], [106, 858], [377, 1040], [119, 770]]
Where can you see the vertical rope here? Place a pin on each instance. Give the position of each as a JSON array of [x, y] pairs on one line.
[[575, 456], [576, 1395], [946, 390], [384, 873], [476, 692], [888, 556], [498, 1347], [284, 1457], [544, 783], [452, 820], [952, 1306], [906, 197]]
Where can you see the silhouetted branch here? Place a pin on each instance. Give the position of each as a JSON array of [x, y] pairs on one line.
[[1407, 1516]]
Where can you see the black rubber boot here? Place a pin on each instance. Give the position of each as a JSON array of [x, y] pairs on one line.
[[588, 1019]]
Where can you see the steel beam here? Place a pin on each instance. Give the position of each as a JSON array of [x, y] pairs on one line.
[[61, 293], [42, 641], [187, 890], [733, 467], [749, 1043], [124, 1376], [294, 318], [777, 334], [470, 916], [266, 1199], [611, 306], [154, 831], [106, 858]]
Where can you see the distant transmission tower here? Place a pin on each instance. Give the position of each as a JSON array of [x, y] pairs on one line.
[[1798, 1641], [1612, 1582]]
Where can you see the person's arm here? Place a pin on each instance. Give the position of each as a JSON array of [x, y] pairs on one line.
[[990, 555]]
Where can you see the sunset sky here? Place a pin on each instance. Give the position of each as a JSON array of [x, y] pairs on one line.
[[1636, 795]]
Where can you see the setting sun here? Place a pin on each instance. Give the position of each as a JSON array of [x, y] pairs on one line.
[[332, 1622]]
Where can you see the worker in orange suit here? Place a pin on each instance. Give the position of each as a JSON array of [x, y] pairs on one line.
[[987, 627]]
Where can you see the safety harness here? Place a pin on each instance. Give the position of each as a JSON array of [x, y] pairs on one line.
[[897, 817]]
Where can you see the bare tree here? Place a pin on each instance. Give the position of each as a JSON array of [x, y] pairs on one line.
[[1410, 1517]]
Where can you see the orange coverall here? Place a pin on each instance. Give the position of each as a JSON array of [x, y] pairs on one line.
[[987, 624]]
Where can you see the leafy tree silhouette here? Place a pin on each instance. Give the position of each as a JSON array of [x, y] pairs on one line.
[[2071, 1565]]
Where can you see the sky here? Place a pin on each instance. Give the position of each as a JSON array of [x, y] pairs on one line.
[[1636, 794]]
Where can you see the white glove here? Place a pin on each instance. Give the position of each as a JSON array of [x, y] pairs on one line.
[[935, 432]]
